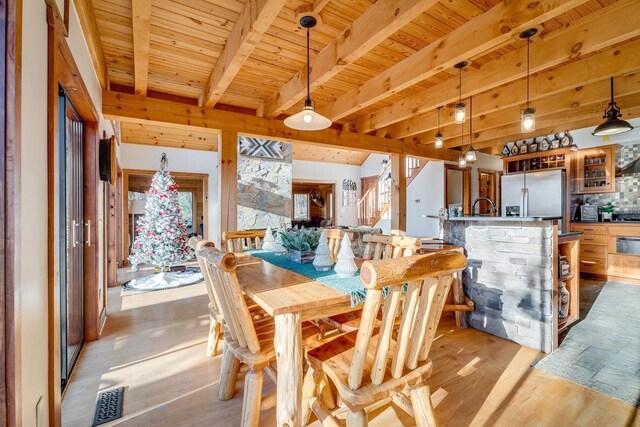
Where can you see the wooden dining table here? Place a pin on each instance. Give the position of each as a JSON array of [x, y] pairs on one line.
[[290, 298]]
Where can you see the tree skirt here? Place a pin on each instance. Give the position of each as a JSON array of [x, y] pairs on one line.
[[161, 281]]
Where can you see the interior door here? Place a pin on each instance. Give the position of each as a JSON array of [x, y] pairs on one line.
[[72, 234]]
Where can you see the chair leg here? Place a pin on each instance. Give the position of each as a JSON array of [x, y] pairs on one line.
[[252, 398], [422, 407], [326, 393], [357, 419], [215, 333], [228, 374], [309, 390]]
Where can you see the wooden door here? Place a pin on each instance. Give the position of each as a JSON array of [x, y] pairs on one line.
[[487, 188], [72, 232]]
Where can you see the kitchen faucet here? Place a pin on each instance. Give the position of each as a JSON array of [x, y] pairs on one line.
[[473, 207]]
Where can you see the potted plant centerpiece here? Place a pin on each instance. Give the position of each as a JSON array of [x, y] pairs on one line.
[[301, 244]]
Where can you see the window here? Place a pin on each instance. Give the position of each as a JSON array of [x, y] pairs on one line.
[[185, 200], [300, 207]]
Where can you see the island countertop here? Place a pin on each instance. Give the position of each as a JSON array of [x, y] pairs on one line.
[[494, 218]]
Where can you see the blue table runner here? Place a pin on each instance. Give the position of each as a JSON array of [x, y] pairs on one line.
[[350, 285]]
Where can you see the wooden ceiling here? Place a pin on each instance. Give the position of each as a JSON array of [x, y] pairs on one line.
[[377, 67]]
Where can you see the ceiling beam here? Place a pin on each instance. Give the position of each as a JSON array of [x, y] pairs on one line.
[[92, 36], [140, 109], [613, 24], [484, 33], [377, 23], [141, 22], [558, 121], [253, 22], [576, 97]]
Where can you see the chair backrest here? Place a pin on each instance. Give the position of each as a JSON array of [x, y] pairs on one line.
[[380, 246], [410, 321], [238, 323], [239, 241], [196, 244], [334, 237]]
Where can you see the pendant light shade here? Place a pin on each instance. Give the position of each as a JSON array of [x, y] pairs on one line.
[[439, 137], [460, 114], [307, 119], [528, 115], [612, 125], [470, 155]]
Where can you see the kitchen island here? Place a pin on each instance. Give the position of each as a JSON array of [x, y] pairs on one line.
[[512, 275]]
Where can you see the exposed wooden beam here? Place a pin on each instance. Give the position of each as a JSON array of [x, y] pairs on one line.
[[140, 109], [92, 37], [378, 22], [599, 30], [398, 194], [556, 103], [254, 20], [484, 33], [141, 21], [228, 182], [555, 122]]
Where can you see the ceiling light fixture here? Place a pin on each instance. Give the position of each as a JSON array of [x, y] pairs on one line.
[[528, 115], [462, 161], [613, 125], [307, 119], [470, 155], [459, 115], [439, 137]]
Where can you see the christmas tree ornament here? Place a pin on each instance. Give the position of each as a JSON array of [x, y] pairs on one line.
[[161, 238], [278, 248], [323, 261], [346, 266], [267, 242]]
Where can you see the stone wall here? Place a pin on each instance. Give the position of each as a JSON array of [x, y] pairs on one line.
[[509, 277], [264, 191]]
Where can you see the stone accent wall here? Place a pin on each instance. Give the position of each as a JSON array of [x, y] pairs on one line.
[[264, 191], [509, 277]]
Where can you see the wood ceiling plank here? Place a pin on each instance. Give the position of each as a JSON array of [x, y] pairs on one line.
[[484, 33], [377, 23], [255, 19], [141, 20], [611, 25], [140, 109]]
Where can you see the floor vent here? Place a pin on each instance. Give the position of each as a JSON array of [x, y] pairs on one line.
[[109, 406]]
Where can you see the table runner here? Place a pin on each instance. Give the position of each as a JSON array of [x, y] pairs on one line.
[[351, 285]]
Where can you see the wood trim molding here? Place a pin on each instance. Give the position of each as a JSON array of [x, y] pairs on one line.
[[10, 90]]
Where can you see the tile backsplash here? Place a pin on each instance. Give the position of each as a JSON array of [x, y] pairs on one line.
[[626, 199]]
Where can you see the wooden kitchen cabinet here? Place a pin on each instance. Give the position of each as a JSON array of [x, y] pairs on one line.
[[595, 170]]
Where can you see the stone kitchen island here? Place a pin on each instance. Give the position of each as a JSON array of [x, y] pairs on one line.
[[512, 275]]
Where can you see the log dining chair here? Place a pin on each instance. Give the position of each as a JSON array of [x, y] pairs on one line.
[[240, 241], [216, 320], [376, 246], [334, 237], [246, 340], [388, 360]]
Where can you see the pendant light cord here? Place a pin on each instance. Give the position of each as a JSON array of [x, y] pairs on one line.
[[308, 72], [612, 100], [470, 121], [460, 97], [528, 67], [439, 108]]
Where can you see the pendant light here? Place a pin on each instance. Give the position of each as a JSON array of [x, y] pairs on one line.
[[528, 115], [307, 119], [439, 136], [462, 160], [459, 115], [470, 155], [613, 125]]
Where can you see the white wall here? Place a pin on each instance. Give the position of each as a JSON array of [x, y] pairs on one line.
[[33, 206], [373, 165], [134, 156], [335, 173], [425, 196]]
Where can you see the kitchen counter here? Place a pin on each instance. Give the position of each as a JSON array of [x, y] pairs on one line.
[[607, 222], [495, 218]]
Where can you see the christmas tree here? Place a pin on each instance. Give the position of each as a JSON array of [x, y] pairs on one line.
[[162, 233], [268, 241], [323, 261], [278, 249]]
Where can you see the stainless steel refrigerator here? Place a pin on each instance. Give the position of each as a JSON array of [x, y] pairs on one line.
[[535, 194]]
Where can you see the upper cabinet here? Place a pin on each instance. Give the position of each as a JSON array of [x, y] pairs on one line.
[[595, 170]]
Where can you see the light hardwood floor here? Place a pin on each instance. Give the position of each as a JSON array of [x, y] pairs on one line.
[[154, 345]]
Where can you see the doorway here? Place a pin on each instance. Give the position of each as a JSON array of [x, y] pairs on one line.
[[72, 231], [313, 204], [488, 186], [457, 187]]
